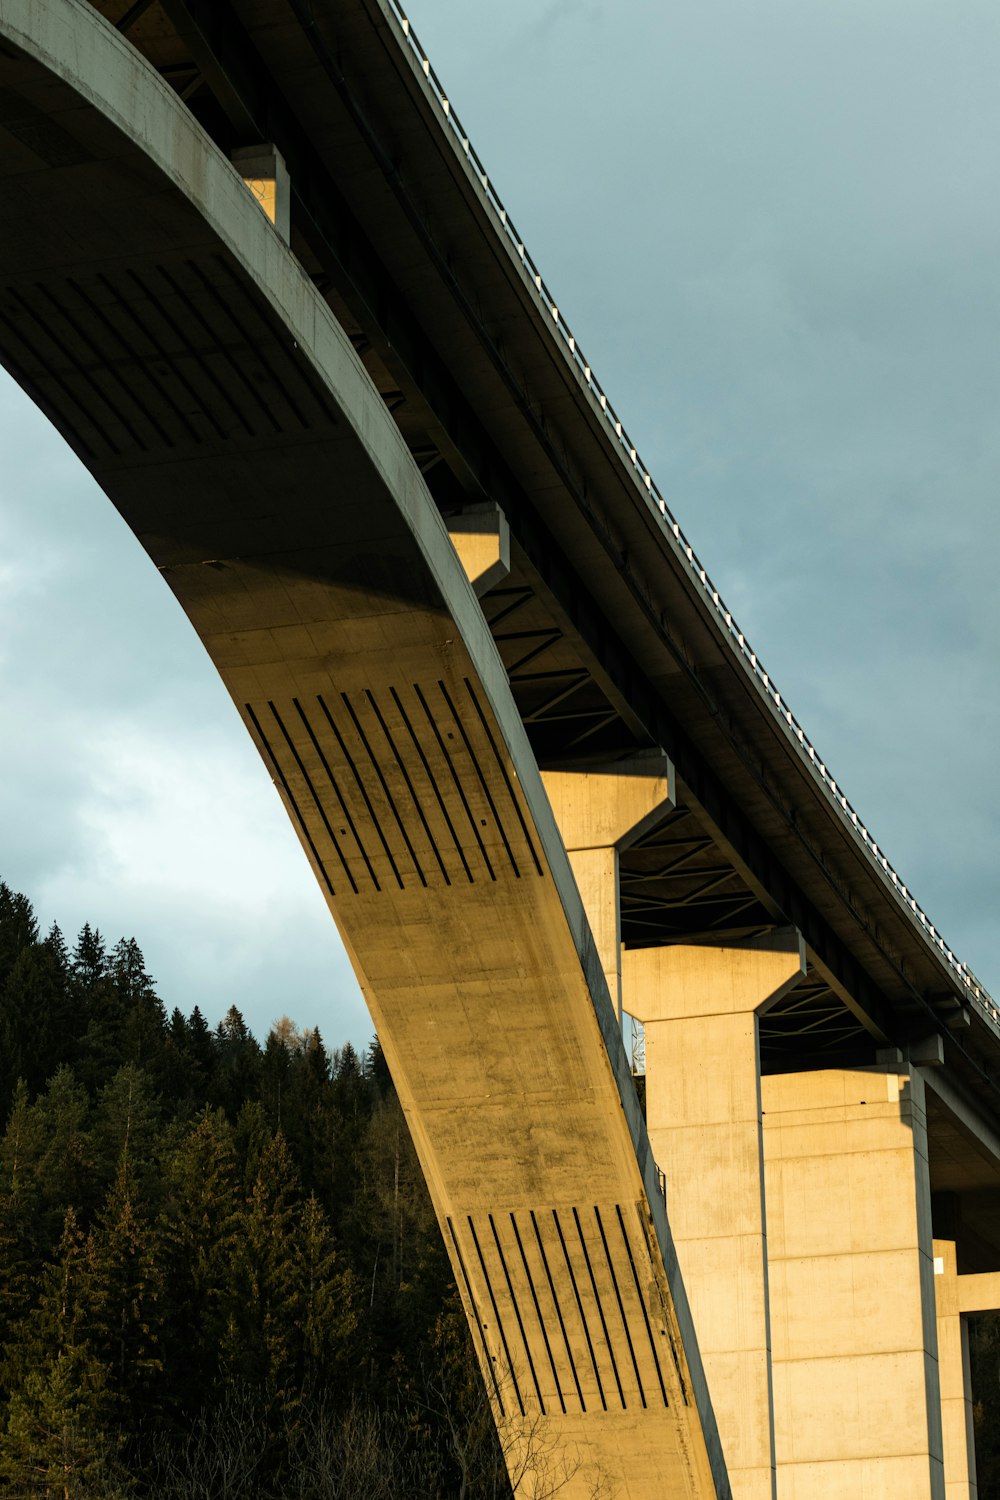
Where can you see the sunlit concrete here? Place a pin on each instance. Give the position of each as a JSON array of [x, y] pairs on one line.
[[481, 537], [265, 174], [700, 1005], [850, 1259], [600, 811], [957, 1436]]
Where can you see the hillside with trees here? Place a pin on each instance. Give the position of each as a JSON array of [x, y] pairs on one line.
[[220, 1273]]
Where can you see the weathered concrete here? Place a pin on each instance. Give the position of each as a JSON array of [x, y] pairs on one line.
[[850, 1259], [224, 411], [957, 1438], [700, 1006]]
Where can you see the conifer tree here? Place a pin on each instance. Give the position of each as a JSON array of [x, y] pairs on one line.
[[64, 1174], [20, 1149], [89, 961], [18, 928], [59, 1438], [55, 941], [144, 1017], [59, 1431], [125, 1310], [199, 1229], [36, 1020], [237, 1063], [327, 1298], [124, 1126], [260, 1344], [102, 1008], [200, 1048]]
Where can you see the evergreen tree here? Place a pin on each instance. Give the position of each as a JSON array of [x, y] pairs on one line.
[[20, 1149], [64, 1173], [237, 1063], [125, 1293], [124, 1126], [55, 941], [259, 1347], [144, 1017], [199, 1231], [59, 1437], [200, 1048], [18, 928], [36, 1020], [327, 1315], [89, 961], [102, 1009]]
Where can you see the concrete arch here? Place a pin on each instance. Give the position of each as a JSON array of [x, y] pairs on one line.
[[153, 312]]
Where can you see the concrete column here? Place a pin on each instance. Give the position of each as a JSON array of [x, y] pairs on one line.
[[857, 1407], [700, 1007], [953, 1370], [265, 174], [599, 811], [481, 537]]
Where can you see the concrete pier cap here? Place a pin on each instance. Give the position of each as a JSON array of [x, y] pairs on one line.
[[600, 810]]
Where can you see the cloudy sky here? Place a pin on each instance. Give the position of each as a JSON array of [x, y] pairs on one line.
[[774, 229]]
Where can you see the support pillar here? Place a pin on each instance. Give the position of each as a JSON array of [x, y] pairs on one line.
[[481, 537], [700, 1007], [599, 811], [265, 174], [850, 1258], [958, 1444]]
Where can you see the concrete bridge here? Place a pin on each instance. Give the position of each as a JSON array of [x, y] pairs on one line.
[[255, 274]]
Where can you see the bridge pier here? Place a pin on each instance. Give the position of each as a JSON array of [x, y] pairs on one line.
[[953, 1365], [700, 1006], [599, 811], [857, 1400]]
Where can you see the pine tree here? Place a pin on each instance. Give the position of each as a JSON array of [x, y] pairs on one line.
[[102, 1008], [259, 1347], [18, 928], [201, 1049], [199, 1230], [57, 943], [327, 1317], [376, 1068], [125, 1292], [36, 1020], [57, 1438], [142, 1009], [20, 1149], [237, 1063], [124, 1126], [64, 1174], [89, 961]]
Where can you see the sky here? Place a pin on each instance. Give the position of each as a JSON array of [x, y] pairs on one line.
[[774, 229]]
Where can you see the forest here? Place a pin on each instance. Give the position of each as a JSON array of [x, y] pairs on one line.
[[220, 1272]]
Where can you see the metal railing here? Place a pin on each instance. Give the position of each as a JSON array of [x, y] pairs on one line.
[[975, 991]]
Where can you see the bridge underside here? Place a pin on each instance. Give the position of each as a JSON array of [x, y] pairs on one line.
[[292, 431], [156, 316], [387, 226]]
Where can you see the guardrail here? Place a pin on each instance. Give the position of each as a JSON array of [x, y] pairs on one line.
[[974, 991]]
